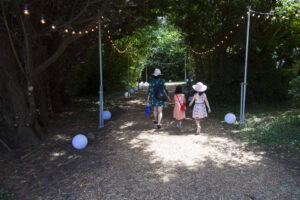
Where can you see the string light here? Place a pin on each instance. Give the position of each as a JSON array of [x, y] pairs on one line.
[[53, 27], [268, 17], [237, 25], [43, 19], [26, 11], [73, 32], [66, 30], [80, 32], [86, 32], [92, 30], [258, 16]]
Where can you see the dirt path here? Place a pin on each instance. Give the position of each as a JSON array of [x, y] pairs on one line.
[[130, 159]]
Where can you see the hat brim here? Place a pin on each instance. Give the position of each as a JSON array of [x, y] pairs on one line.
[[203, 88], [156, 74]]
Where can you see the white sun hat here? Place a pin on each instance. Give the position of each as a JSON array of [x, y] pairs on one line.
[[200, 87], [157, 72]]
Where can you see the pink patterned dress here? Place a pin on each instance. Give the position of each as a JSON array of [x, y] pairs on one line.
[[199, 110], [177, 113]]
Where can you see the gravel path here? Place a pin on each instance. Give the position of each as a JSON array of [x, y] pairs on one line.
[[131, 159]]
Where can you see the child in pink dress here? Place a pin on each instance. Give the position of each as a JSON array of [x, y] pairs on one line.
[[199, 111], [179, 100]]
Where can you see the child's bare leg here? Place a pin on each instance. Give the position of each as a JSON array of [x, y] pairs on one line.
[[198, 125]]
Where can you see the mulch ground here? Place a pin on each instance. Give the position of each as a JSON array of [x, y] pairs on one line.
[[130, 159]]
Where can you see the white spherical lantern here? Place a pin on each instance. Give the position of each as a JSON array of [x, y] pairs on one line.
[[127, 95], [79, 141], [131, 91], [230, 118], [106, 115]]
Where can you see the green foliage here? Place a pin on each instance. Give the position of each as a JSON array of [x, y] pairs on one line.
[[5, 194], [294, 90], [277, 127], [271, 42], [167, 52]]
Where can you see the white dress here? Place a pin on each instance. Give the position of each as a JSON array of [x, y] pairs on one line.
[[199, 110]]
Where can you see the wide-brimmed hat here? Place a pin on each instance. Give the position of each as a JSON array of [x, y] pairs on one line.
[[200, 87], [157, 72]]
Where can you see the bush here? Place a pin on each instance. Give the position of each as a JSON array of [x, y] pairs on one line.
[[294, 90]]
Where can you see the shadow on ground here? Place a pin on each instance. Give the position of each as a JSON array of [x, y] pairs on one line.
[[130, 159]]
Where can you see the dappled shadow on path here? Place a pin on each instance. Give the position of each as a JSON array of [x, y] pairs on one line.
[[130, 159]]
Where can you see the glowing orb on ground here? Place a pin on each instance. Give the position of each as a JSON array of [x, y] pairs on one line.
[[79, 141], [126, 95], [230, 118], [106, 115]]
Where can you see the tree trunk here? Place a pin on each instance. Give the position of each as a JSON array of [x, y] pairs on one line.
[[18, 102]]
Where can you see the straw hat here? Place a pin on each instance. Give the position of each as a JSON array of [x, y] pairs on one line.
[[157, 72], [200, 87]]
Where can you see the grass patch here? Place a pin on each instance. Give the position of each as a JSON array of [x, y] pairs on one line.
[[5, 194], [277, 127]]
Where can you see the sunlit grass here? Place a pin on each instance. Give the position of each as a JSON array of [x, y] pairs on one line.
[[278, 128]]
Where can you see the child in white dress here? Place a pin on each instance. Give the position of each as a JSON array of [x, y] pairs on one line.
[[200, 99]]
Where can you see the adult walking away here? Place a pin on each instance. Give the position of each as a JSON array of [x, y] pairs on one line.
[[156, 104]]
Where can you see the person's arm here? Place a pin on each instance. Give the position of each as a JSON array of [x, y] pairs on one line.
[[191, 103], [150, 89], [164, 83], [207, 104]]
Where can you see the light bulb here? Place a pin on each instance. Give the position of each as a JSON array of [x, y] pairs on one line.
[[258, 16], [237, 25], [80, 32], [43, 21], [73, 32], [26, 12], [86, 32], [92, 30], [53, 27], [66, 30]]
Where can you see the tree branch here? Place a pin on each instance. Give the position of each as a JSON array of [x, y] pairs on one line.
[[11, 41], [60, 50]]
